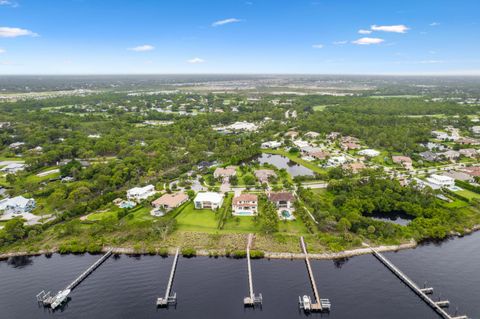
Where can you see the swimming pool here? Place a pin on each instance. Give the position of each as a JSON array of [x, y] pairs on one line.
[[244, 213], [286, 214]]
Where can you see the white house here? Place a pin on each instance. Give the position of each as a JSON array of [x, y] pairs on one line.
[[245, 205], [369, 152], [13, 168], [208, 200], [336, 161], [243, 126], [441, 181], [140, 193], [17, 205], [271, 144]]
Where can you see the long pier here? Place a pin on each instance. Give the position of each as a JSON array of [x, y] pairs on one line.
[[305, 302], [423, 293], [251, 300], [170, 298], [54, 301]]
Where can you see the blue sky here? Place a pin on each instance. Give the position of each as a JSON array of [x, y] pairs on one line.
[[237, 36]]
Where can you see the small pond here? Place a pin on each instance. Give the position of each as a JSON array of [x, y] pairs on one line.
[[280, 162]]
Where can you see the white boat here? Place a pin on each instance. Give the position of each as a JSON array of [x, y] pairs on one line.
[[60, 298], [307, 303]]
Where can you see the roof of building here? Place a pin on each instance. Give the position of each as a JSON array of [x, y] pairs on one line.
[[245, 198], [227, 171], [18, 201], [458, 175], [281, 196], [209, 197], [171, 200], [140, 190], [401, 159]]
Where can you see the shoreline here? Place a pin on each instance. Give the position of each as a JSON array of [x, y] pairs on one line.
[[267, 254], [208, 253]]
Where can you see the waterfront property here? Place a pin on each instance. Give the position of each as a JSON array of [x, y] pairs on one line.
[[284, 203], [167, 202], [245, 205], [208, 200], [140, 193]]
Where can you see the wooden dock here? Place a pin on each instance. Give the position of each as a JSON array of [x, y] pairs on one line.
[[423, 293], [53, 302], [251, 300], [305, 302], [170, 298]]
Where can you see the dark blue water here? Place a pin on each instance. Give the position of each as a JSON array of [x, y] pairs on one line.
[[359, 287], [280, 162]]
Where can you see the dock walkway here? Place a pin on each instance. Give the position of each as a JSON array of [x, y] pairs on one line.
[[423, 293], [251, 300], [305, 302], [170, 298], [53, 302]]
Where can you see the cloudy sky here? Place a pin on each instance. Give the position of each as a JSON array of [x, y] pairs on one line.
[[237, 36]]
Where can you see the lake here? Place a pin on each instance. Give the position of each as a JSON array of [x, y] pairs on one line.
[[280, 162], [359, 287]]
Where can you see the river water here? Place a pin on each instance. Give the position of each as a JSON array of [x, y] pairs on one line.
[[360, 287]]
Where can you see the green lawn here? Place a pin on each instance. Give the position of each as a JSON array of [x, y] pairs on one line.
[[319, 108], [292, 227], [101, 215], [241, 224], [198, 220], [468, 194]]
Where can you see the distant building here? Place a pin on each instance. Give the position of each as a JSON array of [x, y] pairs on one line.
[[168, 202], [271, 144], [475, 129], [16, 145], [472, 171], [291, 134], [369, 153], [140, 193], [17, 205], [354, 167], [429, 156], [228, 171], [346, 146], [440, 181], [451, 155], [208, 200], [245, 205], [13, 168], [469, 152], [263, 175], [461, 176], [405, 161], [312, 135]]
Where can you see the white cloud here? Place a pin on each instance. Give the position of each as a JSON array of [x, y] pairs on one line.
[[340, 42], [8, 3], [225, 21], [368, 41], [2, 50], [7, 32], [363, 31], [399, 28], [196, 61], [317, 46], [142, 48], [434, 24]]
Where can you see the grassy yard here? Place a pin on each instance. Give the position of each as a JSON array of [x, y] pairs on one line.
[[468, 194], [197, 220]]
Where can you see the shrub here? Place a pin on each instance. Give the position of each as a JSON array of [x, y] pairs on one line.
[[257, 254], [189, 252]]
